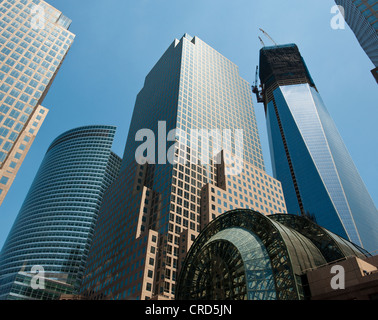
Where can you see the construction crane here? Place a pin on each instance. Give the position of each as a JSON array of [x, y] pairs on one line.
[[256, 75], [262, 42], [255, 88], [266, 34]]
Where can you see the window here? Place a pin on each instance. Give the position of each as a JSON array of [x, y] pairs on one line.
[[4, 132], [18, 127], [13, 136], [14, 114], [9, 122], [4, 108], [4, 180], [7, 146]]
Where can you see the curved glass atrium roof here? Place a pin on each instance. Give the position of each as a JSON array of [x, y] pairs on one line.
[[245, 255]]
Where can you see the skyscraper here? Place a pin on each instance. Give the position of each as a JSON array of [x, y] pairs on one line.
[[309, 157], [55, 225], [34, 40], [152, 206], [362, 18]]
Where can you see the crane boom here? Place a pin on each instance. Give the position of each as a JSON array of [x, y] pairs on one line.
[[268, 36], [262, 42]]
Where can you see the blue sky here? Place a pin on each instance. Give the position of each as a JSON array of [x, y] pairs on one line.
[[118, 42]]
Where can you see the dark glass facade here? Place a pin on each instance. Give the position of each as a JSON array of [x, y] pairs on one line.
[[362, 18], [245, 255], [308, 155], [55, 225]]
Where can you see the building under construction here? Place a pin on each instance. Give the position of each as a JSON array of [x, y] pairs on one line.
[[308, 154], [280, 65]]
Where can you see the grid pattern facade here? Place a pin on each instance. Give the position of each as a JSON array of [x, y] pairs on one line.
[[191, 87], [20, 288], [30, 57], [310, 159], [362, 18], [214, 96], [252, 188], [55, 225]]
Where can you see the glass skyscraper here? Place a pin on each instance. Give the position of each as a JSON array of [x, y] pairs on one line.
[[309, 157], [153, 207], [362, 18], [34, 40], [55, 225]]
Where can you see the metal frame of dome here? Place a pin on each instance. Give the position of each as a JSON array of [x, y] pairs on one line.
[[292, 243]]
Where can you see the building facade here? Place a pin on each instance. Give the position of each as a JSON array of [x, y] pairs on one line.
[[245, 255], [55, 225], [362, 18], [360, 280], [252, 189], [34, 40], [156, 200], [309, 157]]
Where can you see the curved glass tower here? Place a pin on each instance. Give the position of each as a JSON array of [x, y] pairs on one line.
[[309, 156], [54, 227]]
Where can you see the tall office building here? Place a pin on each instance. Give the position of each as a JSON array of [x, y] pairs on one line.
[[34, 40], [362, 17], [55, 225], [153, 207], [309, 157]]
